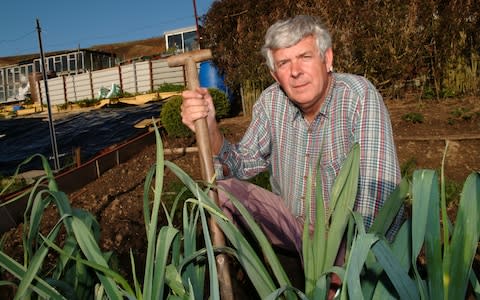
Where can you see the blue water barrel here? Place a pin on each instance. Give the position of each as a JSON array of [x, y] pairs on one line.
[[209, 77]]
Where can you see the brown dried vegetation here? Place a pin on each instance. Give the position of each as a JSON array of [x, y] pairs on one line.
[[398, 45]]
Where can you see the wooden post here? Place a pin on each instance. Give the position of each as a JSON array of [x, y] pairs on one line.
[[78, 157]]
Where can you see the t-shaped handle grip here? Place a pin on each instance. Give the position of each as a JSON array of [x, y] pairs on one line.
[[189, 60]]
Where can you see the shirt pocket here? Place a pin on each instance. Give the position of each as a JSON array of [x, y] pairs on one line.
[[330, 169]]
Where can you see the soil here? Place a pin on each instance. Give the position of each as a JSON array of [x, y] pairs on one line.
[[116, 198]]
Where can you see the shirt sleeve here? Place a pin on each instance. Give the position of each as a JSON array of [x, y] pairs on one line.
[[251, 155], [379, 168]]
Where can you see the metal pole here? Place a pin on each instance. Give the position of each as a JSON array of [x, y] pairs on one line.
[[196, 22], [77, 55], [50, 122]]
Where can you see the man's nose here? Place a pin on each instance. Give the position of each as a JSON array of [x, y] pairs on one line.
[[295, 69]]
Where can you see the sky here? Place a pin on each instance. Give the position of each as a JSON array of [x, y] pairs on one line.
[[67, 24]]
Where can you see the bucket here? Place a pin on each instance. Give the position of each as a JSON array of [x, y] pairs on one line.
[[209, 77]]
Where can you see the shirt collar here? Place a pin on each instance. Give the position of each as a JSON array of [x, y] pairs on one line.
[[325, 109]]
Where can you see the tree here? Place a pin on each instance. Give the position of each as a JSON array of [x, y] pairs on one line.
[[398, 45]]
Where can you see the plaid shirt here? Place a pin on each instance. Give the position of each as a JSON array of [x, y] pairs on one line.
[[280, 140]]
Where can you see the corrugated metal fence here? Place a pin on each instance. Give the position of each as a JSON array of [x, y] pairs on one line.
[[137, 77]]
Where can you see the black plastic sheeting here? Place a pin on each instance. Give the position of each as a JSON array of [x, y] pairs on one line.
[[92, 131]]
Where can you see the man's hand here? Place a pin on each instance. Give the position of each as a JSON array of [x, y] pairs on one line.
[[199, 104], [196, 105]]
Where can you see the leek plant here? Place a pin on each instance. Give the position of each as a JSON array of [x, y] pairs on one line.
[[67, 279], [174, 268], [449, 255], [378, 269], [82, 271]]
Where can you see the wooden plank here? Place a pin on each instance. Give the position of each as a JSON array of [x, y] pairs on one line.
[[456, 137]]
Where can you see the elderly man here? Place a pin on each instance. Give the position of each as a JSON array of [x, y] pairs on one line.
[[309, 114]]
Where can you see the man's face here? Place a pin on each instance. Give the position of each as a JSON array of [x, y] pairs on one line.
[[303, 74]]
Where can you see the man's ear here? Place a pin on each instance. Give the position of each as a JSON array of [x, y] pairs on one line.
[[328, 58], [274, 75]]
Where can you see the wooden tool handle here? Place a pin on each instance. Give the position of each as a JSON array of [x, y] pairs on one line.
[[208, 174]]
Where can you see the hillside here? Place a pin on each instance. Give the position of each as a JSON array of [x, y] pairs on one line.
[[134, 49], [124, 51]]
